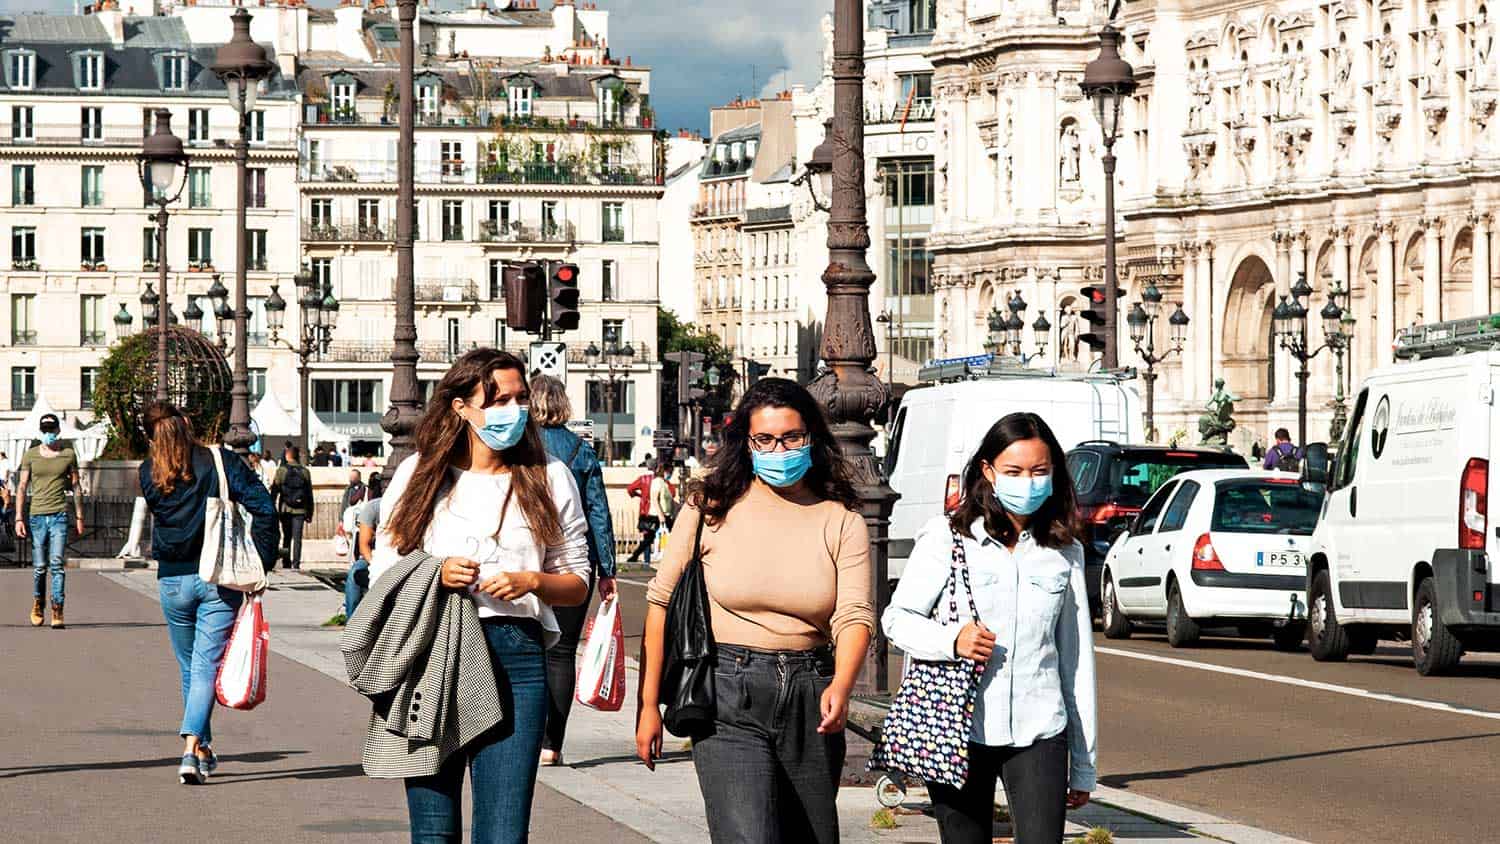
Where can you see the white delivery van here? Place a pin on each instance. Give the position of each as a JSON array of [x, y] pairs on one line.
[[938, 427], [1402, 548]]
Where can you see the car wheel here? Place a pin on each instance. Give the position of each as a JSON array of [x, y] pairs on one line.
[[1182, 631], [1434, 647], [1326, 638], [1288, 637], [1116, 625]]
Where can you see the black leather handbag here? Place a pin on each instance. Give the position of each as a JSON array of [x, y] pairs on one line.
[[687, 680]]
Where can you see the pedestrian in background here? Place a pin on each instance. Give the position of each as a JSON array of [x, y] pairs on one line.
[[646, 523], [49, 471], [1034, 718], [786, 557], [292, 491], [551, 410], [1284, 456], [508, 522], [354, 493], [177, 479], [366, 522], [663, 497]]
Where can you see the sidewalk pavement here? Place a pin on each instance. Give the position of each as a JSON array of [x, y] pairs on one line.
[[666, 805]]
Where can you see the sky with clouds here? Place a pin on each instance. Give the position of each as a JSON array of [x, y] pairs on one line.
[[701, 53]]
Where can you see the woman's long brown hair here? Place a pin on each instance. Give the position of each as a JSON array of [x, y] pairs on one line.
[[171, 446], [442, 441]]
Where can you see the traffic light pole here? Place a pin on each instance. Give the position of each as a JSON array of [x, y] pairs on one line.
[[1111, 282]]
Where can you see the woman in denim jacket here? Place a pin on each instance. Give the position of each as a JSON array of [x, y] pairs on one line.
[[1034, 717]]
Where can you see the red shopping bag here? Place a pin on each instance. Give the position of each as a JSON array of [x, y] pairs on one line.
[[242, 675], [601, 670]]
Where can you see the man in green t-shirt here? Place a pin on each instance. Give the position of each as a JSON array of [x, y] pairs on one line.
[[48, 473]]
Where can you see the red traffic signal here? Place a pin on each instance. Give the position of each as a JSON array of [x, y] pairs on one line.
[[565, 297], [1093, 313]]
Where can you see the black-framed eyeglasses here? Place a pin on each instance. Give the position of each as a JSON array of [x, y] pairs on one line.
[[790, 441]]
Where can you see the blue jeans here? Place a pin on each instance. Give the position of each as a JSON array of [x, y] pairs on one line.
[[503, 761], [356, 585], [200, 617], [48, 534]]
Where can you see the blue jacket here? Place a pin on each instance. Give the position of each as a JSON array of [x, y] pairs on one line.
[[589, 475], [177, 533]]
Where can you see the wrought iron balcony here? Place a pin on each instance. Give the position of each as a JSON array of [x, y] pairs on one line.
[[518, 232], [22, 338], [22, 401], [447, 290]]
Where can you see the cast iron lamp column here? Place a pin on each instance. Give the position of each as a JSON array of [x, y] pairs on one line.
[[1142, 322], [400, 419], [618, 363], [318, 314], [162, 164], [1107, 81], [1290, 317]]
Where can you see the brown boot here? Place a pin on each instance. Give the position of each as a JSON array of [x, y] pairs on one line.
[[36, 612], [57, 616]]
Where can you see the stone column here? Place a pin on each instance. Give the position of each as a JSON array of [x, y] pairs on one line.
[[1480, 283], [1188, 360], [1432, 270], [1385, 294], [1284, 276], [1203, 326]]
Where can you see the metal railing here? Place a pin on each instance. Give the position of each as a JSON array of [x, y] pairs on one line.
[[347, 351], [718, 209], [640, 366], [612, 234], [92, 198], [23, 197], [22, 338], [115, 135], [518, 232], [919, 110], [451, 290], [106, 521], [25, 264], [346, 232], [93, 338], [22, 401]]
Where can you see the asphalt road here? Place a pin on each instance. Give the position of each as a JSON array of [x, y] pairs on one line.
[[1373, 754], [89, 746]]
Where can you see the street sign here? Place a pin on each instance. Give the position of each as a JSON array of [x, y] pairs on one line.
[[549, 359], [664, 439], [583, 428]]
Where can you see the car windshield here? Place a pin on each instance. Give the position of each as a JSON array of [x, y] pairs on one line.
[[1134, 477], [1254, 506]]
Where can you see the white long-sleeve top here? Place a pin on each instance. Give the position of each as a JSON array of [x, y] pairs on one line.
[[1040, 679], [466, 523]]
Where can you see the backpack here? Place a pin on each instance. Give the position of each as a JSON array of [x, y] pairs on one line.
[[1287, 459], [296, 488]]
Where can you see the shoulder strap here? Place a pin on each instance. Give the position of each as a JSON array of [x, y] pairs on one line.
[[698, 539], [960, 571], [218, 457]]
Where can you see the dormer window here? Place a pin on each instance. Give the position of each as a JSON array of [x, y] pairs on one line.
[[343, 98], [174, 73], [750, 149], [519, 97], [429, 95], [20, 69], [90, 70], [739, 152]]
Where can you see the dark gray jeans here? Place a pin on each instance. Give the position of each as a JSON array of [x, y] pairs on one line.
[[1036, 791], [767, 776]]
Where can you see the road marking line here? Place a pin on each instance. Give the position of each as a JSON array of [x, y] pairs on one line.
[[1306, 684]]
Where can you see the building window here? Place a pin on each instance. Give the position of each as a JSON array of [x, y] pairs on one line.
[[908, 184], [501, 330], [519, 98], [455, 338], [257, 384], [197, 125], [23, 184], [199, 187], [348, 400], [148, 248], [174, 73], [607, 280], [256, 240], [92, 121], [452, 159], [923, 15], [909, 265], [369, 217], [549, 218], [453, 219], [22, 387], [497, 279], [322, 270], [23, 247], [257, 126], [916, 89], [91, 320], [22, 66], [427, 101], [22, 128], [255, 187], [93, 186], [498, 220], [22, 319], [614, 222], [88, 377], [321, 212], [613, 333], [200, 248], [609, 106], [343, 102], [93, 248], [91, 72], [255, 326]]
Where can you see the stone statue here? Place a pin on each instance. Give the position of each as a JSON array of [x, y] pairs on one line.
[[1436, 71], [1246, 91], [1072, 153], [1217, 424], [1343, 71], [1389, 56], [1484, 43], [1067, 335], [1299, 83], [1195, 101], [1285, 105]]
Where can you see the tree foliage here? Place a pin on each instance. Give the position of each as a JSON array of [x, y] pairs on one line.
[[675, 335], [127, 383]]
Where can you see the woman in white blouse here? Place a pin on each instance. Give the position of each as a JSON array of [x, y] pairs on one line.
[[482, 494], [1034, 723]]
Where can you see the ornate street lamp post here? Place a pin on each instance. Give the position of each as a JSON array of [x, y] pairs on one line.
[[1290, 316], [218, 300], [400, 419], [1006, 331], [318, 314], [618, 362], [1107, 81], [847, 389], [1142, 325], [887, 319], [163, 165], [241, 64], [1346, 328]]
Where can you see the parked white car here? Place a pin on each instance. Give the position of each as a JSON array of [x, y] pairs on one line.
[[1224, 547]]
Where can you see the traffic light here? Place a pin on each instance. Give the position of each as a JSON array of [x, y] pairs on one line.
[[755, 370], [1093, 313], [565, 297], [525, 289], [692, 373]]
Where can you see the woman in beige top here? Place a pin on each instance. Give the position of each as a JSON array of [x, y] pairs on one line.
[[786, 557]]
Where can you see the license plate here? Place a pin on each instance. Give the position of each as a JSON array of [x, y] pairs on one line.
[[1280, 559]]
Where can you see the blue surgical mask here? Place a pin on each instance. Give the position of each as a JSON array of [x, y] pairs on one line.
[[782, 468], [49, 439], [503, 426], [1021, 495]]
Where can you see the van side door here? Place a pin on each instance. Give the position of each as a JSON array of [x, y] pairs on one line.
[[1341, 511]]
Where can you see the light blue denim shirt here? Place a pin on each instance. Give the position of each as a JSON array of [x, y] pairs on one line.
[[1040, 680]]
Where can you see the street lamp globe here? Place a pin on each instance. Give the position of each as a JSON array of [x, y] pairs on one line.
[[194, 313], [276, 309], [592, 354], [819, 175], [124, 323], [1016, 304], [1107, 81], [1301, 290], [1281, 317], [149, 305], [330, 310], [1013, 328], [1178, 323], [241, 64], [1137, 320], [223, 315], [998, 321], [1042, 332], [218, 294], [627, 354], [1151, 300], [162, 161], [1332, 316], [311, 304]]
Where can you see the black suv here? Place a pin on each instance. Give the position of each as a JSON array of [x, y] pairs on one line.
[[1114, 481]]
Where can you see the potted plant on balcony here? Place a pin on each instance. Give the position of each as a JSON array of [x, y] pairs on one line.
[[346, 113], [388, 103]]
